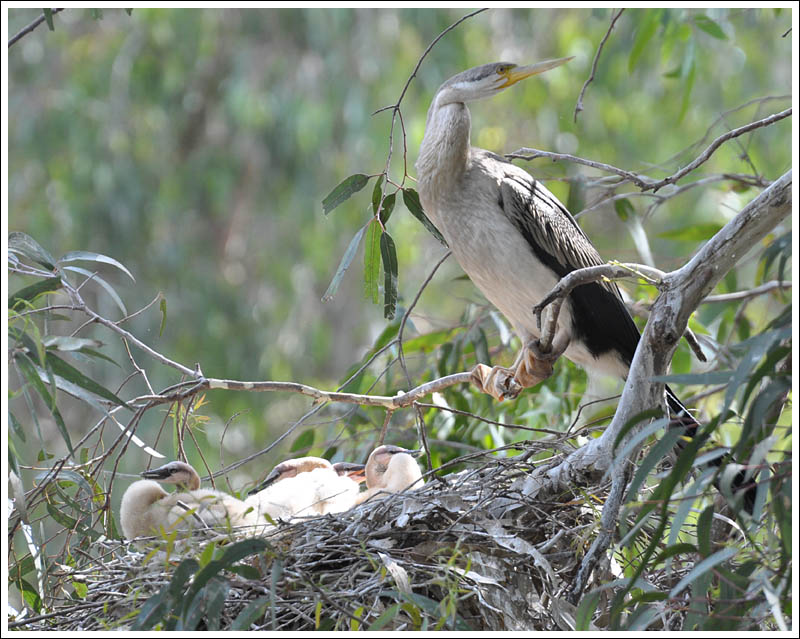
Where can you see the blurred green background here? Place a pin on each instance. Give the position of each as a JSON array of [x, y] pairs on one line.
[[196, 146]]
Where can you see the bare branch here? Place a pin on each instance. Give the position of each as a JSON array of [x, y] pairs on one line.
[[705, 155], [579, 104], [526, 153], [767, 287]]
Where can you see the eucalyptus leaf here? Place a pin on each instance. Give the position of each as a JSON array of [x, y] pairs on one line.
[[96, 278], [389, 257], [347, 259], [343, 191], [372, 261], [88, 256], [25, 245]]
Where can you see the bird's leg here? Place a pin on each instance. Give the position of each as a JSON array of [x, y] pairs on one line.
[[532, 366]]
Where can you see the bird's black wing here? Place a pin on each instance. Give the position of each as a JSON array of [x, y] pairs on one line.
[[600, 318]]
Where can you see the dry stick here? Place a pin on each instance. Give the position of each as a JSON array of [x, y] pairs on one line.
[[579, 104], [31, 27]]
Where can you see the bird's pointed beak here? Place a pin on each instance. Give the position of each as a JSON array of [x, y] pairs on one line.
[[270, 479], [516, 74], [162, 472], [413, 453]]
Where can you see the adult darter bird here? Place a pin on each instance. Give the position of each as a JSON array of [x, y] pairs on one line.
[[515, 240]]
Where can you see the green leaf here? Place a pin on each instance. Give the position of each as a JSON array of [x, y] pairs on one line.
[[692, 233], [48, 17], [347, 259], [97, 14], [377, 191], [372, 261], [30, 595], [304, 441], [67, 343], [688, 70], [343, 191], [624, 209], [586, 609], [388, 207], [708, 25], [385, 617], [704, 531], [25, 245], [31, 372], [672, 551], [19, 431], [411, 200], [780, 248], [646, 31], [129, 11], [252, 611], [88, 256], [72, 374], [96, 278], [162, 305], [389, 257], [703, 567], [30, 293]]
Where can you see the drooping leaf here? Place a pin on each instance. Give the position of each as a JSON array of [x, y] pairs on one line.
[[48, 18], [162, 305], [703, 22], [88, 256], [411, 200], [24, 244], [372, 261], [347, 259], [31, 373], [343, 191], [624, 209], [97, 14], [389, 257], [387, 208], [377, 191], [646, 31], [688, 72]]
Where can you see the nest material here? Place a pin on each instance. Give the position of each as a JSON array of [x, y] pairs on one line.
[[469, 550]]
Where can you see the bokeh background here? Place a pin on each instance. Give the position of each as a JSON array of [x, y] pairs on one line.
[[196, 146]]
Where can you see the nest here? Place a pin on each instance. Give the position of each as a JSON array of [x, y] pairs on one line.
[[469, 550]]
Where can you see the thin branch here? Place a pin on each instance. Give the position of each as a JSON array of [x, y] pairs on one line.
[[767, 287], [526, 153], [579, 104], [705, 155], [31, 27]]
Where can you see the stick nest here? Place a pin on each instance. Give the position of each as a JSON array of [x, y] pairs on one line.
[[469, 550]]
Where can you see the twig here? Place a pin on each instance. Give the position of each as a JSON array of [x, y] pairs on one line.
[[526, 153], [31, 27], [579, 104], [743, 295], [705, 155]]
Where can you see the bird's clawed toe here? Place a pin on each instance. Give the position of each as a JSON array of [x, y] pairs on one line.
[[499, 382]]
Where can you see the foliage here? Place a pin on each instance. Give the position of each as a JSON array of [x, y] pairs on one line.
[[195, 147]]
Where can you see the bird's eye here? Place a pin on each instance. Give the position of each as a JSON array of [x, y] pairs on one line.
[[502, 70]]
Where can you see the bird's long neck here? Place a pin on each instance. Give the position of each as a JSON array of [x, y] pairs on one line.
[[444, 153]]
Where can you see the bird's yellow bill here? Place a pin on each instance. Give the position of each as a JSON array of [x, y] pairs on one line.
[[515, 74]]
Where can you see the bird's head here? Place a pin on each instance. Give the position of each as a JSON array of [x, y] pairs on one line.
[[490, 79], [356, 472], [379, 461], [175, 472], [291, 468]]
